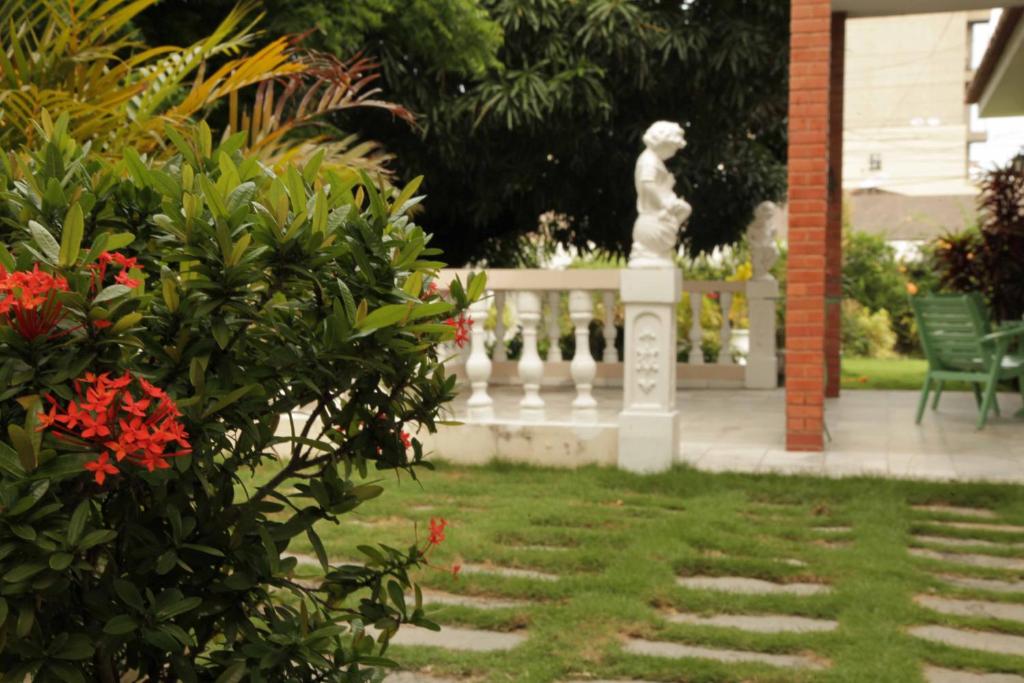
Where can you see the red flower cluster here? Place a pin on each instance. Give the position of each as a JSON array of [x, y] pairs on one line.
[[437, 527], [28, 301], [126, 263], [140, 428], [462, 326]]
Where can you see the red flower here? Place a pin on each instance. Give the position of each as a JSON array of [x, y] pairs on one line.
[[406, 440], [462, 326], [110, 416], [437, 526], [101, 467], [101, 324], [456, 568], [28, 301], [123, 279]]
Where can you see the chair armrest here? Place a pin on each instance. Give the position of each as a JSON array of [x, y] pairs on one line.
[[1006, 333]]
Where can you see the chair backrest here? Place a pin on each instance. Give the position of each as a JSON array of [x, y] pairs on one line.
[[951, 327]]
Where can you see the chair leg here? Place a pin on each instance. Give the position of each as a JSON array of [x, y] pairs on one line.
[[1020, 388], [989, 396], [976, 386], [924, 398], [938, 393]]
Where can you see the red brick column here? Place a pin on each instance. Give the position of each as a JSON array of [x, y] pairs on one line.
[[834, 233], [809, 75]]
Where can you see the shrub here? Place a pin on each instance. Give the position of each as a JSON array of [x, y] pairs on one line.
[[991, 260], [161, 325], [874, 277], [866, 333]]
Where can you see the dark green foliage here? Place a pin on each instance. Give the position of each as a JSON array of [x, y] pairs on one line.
[[990, 261], [876, 279], [263, 295], [557, 125]]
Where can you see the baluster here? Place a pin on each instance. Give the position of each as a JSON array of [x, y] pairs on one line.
[[696, 356], [583, 367], [500, 351], [554, 329], [725, 334], [478, 365], [531, 367], [611, 354]]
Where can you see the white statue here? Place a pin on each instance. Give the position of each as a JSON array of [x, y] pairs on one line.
[[761, 239], [661, 212]]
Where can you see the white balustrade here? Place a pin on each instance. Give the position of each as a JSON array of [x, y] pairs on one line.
[[696, 356], [554, 326], [478, 365], [583, 367], [500, 350], [725, 333], [531, 367], [611, 354]]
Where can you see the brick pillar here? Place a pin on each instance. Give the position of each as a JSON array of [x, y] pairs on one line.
[[834, 234], [809, 74]]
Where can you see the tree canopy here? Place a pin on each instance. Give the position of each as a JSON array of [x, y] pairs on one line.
[[533, 106]]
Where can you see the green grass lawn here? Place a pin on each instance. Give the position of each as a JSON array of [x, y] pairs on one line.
[[626, 538], [885, 373]]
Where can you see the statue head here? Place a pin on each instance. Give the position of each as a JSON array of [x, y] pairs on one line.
[[665, 138], [762, 228]]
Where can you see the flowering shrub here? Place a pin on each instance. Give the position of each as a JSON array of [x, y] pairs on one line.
[[161, 325]]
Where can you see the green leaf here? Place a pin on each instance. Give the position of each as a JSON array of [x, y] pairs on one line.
[[111, 292], [120, 625], [42, 237], [227, 400], [78, 646], [385, 316], [221, 333], [61, 561], [24, 571], [77, 523], [180, 607], [97, 537], [71, 238], [118, 240], [406, 194], [129, 594], [6, 260], [318, 547], [23, 444], [3, 611], [10, 462], [232, 674]]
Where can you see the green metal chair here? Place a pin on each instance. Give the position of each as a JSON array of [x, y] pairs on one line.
[[960, 344]]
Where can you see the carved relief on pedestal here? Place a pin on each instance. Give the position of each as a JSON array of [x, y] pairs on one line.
[[647, 331]]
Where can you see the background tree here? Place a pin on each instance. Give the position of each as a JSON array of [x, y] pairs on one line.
[[555, 123]]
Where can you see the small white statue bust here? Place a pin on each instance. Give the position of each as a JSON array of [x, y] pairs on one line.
[[761, 239], [660, 212]]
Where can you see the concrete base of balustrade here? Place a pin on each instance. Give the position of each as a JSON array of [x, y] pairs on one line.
[[551, 444], [556, 374]]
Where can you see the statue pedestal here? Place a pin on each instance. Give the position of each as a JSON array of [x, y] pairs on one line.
[[648, 423], [762, 362]]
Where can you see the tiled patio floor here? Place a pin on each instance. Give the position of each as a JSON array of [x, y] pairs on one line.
[[873, 433]]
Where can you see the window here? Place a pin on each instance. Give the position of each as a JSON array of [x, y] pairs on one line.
[[875, 162]]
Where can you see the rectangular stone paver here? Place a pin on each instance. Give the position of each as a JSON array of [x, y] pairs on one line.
[[982, 526], [652, 648], [432, 597], [990, 561], [760, 623], [749, 586], [980, 513], [985, 641], [451, 638], [972, 608], [508, 572], [934, 674], [416, 677], [967, 542], [974, 583]]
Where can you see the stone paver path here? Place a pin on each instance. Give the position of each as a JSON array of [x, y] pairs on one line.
[[967, 542], [972, 608], [989, 561], [985, 641], [416, 677], [993, 585], [933, 674], [652, 648], [432, 597], [508, 572], [452, 638], [980, 513], [832, 529], [983, 526], [759, 623], [749, 586]]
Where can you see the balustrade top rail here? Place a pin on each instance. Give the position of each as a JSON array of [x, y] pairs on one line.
[[537, 279]]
